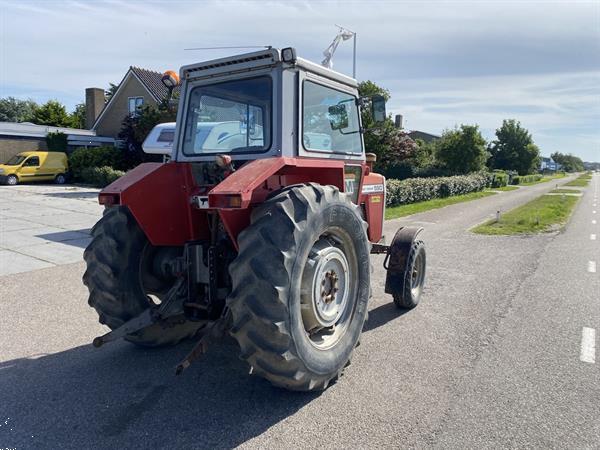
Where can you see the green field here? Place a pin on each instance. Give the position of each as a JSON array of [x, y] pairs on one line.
[[545, 213], [413, 208]]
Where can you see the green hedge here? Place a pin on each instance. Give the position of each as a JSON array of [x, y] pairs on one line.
[[100, 176], [499, 178], [520, 179], [411, 190], [85, 158]]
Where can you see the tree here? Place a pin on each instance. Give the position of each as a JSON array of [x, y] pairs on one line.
[[514, 149], [51, 113], [461, 150], [56, 142], [569, 163], [108, 93], [15, 110], [389, 144], [134, 131], [77, 117]]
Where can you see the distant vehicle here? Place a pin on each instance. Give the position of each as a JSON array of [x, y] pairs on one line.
[[35, 166]]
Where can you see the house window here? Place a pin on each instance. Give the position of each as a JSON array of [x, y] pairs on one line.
[[135, 104]]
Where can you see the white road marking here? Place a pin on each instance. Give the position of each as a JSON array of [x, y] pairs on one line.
[[593, 222], [592, 266], [594, 212], [593, 237], [588, 345]]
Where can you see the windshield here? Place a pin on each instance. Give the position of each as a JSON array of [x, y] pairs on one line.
[[15, 160], [229, 117]]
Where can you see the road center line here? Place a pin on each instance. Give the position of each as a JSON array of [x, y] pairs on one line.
[[593, 237], [588, 345], [592, 266], [593, 222]]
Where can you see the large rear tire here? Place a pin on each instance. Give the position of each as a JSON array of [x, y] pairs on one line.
[[120, 283], [300, 286]]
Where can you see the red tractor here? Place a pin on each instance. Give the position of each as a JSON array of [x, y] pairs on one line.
[[261, 225]]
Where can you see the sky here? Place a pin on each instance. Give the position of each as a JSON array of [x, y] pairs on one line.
[[444, 63]]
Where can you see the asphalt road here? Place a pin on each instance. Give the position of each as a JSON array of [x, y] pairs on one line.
[[492, 357]]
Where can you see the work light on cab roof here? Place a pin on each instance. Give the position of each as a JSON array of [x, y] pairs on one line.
[[170, 79], [260, 225]]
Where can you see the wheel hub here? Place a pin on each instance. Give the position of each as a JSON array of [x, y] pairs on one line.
[[325, 286]]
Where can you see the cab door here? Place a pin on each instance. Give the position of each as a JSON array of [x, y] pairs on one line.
[[29, 169]]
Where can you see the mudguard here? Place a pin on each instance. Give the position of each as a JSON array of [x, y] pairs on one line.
[[397, 258]]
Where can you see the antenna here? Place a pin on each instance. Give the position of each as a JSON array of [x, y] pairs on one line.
[[229, 47]]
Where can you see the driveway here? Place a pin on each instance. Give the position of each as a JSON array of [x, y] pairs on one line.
[[44, 225]]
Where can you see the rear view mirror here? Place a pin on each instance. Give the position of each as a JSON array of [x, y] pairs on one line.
[[338, 117], [378, 108]]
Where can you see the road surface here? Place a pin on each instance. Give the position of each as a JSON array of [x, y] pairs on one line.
[[499, 354]]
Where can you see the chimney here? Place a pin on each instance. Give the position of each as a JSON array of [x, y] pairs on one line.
[[398, 122], [94, 102]]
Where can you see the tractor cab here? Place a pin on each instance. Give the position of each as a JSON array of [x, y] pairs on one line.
[[266, 104]]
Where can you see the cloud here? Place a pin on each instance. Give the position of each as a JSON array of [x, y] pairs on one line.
[[445, 62]]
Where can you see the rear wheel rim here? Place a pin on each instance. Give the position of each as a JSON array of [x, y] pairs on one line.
[[329, 289], [417, 275]]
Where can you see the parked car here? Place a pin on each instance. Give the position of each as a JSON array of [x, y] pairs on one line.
[[35, 166]]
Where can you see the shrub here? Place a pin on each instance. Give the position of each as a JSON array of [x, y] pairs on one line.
[[100, 176], [520, 179], [56, 142], [411, 190], [499, 178], [83, 158]]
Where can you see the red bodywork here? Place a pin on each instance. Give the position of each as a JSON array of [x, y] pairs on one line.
[[160, 195]]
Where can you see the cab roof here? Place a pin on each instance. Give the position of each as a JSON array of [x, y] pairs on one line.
[[253, 60]]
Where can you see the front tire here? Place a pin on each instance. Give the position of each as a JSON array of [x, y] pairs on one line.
[[414, 278], [119, 281], [12, 180], [300, 286]]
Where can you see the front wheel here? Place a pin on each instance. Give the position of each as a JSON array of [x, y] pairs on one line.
[[301, 286], [414, 279], [60, 178], [12, 180]]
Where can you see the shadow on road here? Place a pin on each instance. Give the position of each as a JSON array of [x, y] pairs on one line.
[[68, 237], [382, 315], [122, 396], [73, 195]]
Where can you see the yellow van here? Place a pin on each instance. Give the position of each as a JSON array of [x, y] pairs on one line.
[[35, 166]]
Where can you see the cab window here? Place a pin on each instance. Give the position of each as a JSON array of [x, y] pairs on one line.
[[330, 120], [32, 161]]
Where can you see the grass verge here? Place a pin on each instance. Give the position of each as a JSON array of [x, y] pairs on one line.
[[413, 208], [545, 213], [578, 182], [565, 191]]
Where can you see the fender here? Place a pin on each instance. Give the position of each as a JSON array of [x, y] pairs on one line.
[[397, 258], [159, 195]]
